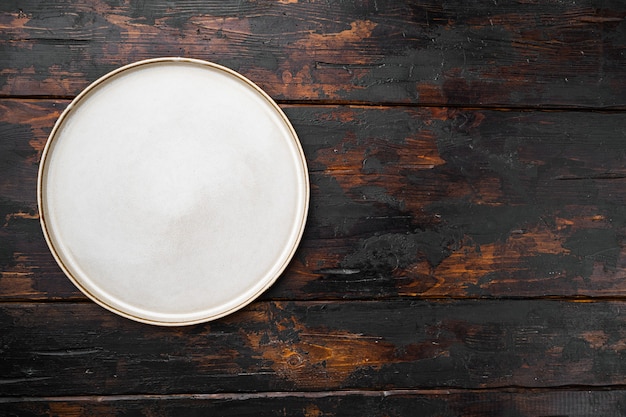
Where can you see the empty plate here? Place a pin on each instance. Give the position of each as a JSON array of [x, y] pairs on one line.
[[173, 191]]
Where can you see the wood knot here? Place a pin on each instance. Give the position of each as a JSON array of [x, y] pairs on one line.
[[295, 360]]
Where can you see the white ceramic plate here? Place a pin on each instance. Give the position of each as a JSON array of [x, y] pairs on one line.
[[173, 191]]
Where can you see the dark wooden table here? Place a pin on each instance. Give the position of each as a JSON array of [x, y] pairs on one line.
[[465, 253]]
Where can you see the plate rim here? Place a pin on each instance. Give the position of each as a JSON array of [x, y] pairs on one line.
[[52, 137]]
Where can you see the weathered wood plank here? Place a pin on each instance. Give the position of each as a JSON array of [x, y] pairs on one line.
[[425, 202], [453, 53], [351, 403], [51, 349]]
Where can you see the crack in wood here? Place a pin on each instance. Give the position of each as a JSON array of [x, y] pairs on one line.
[[77, 352], [6, 381]]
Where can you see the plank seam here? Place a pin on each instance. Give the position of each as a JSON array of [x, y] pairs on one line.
[[353, 103], [574, 299], [315, 394]]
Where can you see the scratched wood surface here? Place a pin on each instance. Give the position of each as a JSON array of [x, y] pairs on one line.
[[431, 202], [69, 349], [367, 404], [552, 53], [465, 251]]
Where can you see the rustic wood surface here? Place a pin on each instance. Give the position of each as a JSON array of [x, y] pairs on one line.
[[570, 403], [77, 349], [553, 53], [465, 252]]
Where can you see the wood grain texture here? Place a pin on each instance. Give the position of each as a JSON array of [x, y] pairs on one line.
[[81, 349], [575, 403], [465, 248], [428, 202], [528, 54]]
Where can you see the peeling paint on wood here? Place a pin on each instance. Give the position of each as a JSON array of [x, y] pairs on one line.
[[515, 53], [435, 403], [312, 346], [464, 249], [425, 202]]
